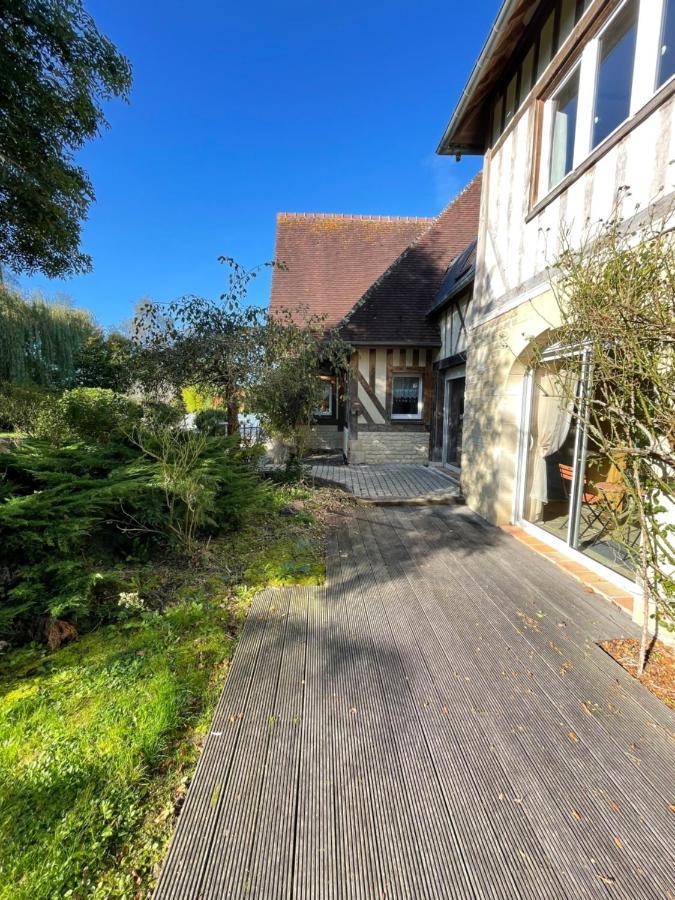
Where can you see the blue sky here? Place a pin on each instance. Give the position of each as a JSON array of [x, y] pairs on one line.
[[241, 110]]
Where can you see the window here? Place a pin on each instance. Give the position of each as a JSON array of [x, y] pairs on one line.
[[613, 78], [325, 406], [667, 44], [568, 17], [615, 73], [526, 75], [545, 44], [510, 100], [563, 129], [497, 119], [406, 397]]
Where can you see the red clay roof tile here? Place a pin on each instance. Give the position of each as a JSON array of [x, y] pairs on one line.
[[393, 310], [331, 260]]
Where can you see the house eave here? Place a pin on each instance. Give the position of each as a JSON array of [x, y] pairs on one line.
[[365, 342], [449, 144]]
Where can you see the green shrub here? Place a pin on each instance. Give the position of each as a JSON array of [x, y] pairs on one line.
[[69, 514], [212, 421], [89, 415], [196, 399], [159, 414], [21, 407]]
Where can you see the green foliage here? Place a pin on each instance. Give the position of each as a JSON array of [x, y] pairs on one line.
[[70, 513], [97, 742], [90, 415], [40, 342], [105, 361], [212, 421], [196, 399], [56, 68], [21, 407], [289, 390], [616, 294]]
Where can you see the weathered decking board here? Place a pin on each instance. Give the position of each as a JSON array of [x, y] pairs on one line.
[[425, 727]]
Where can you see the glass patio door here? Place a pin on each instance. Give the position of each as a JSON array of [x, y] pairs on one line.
[[567, 487]]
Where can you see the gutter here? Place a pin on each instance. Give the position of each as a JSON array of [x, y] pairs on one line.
[[503, 15]]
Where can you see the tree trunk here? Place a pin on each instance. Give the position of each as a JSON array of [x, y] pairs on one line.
[[232, 417], [644, 571]]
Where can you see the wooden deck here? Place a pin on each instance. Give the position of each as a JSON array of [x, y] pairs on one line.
[[388, 481], [436, 723]]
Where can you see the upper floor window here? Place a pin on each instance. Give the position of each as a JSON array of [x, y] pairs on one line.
[[544, 34], [616, 73], [667, 45], [564, 126]]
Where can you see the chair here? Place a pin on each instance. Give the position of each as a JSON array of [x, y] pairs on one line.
[[593, 501]]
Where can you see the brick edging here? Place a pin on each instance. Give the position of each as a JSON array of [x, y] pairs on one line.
[[593, 582]]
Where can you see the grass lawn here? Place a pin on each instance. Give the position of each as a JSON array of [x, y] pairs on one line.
[[98, 740]]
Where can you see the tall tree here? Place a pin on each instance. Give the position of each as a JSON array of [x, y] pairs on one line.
[[41, 342], [56, 68]]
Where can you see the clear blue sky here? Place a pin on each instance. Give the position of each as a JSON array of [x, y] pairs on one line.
[[240, 110]]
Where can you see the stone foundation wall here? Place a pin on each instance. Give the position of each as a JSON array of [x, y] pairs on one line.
[[325, 437], [389, 447]]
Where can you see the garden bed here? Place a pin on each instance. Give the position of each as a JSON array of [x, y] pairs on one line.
[[659, 673]]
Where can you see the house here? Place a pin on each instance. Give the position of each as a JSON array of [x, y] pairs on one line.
[[376, 279], [567, 103]]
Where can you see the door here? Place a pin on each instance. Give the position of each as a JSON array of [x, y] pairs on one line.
[[567, 487], [453, 417]]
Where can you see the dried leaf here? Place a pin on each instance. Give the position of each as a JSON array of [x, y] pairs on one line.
[[576, 815], [573, 736]]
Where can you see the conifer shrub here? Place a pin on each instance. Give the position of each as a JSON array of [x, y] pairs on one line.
[[71, 515]]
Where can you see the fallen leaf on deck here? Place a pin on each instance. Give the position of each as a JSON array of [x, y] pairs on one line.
[[573, 736]]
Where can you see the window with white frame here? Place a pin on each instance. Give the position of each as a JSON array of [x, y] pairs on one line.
[[564, 105], [617, 73], [614, 78], [667, 45], [406, 397], [325, 405]]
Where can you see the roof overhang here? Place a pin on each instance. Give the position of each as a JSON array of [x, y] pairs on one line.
[[467, 128]]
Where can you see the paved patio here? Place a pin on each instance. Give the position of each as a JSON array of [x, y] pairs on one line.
[[387, 481], [437, 722]]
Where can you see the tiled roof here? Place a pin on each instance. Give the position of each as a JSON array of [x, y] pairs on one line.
[[330, 260], [460, 273], [393, 310]]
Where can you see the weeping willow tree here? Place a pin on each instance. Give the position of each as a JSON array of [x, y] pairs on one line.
[[40, 341]]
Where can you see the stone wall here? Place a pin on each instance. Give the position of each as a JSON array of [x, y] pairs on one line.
[[390, 447], [496, 364], [325, 437]]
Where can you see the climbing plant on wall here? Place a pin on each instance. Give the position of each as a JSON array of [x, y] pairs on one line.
[[616, 295]]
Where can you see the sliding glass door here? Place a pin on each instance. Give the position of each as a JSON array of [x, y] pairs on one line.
[[567, 487]]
